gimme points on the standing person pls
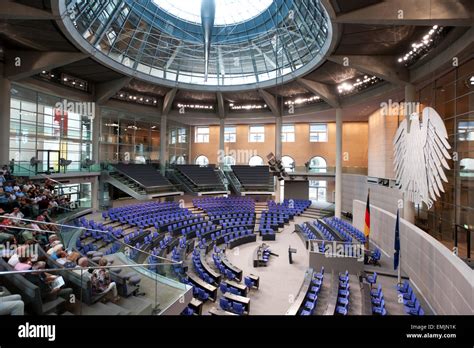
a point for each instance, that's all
(12, 166)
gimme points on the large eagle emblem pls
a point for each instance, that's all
(421, 154)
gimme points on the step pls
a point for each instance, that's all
(100, 309)
(122, 310)
(137, 305)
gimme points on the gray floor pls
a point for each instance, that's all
(279, 281)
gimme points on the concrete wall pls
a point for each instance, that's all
(382, 129)
(296, 190)
(354, 187)
(445, 281)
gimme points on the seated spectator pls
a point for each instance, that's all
(102, 283)
(83, 262)
(24, 264)
(11, 305)
(17, 215)
(43, 281)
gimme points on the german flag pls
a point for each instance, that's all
(367, 218)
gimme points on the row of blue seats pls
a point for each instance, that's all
(220, 265)
(324, 231)
(410, 302)
(311, 298)
(232, 306)
(199, 269)
(349, 228)
(343, 294)
(346, 236)
(378, 301)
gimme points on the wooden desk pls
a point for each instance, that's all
(196, 305)
(300, 298)
(210, 289)
(218, 311)
(241, 287)
(236, 298)
(214, 275)
(227, 264)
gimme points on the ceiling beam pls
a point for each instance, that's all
(106, 90)
(322, 90)
(265, 56)
(409, 12)
(23, 64)
(384, 67)
(173, 56)
(220, 105)
(14, 10)
(168, 100)
(271, 101)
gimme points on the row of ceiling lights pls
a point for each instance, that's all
(136, 98)
(423, 46)
(196, 106)
(248, 106)
(360, 84)
(299, 101)
(65, 79)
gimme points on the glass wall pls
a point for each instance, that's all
(178, 143)
(41, 130)
(125, 137)
(452, 95)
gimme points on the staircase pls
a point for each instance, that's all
(125, 184)
(314, 213)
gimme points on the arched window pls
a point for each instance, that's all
(318, 165)
(288, 163)
(181, 160)
(256, 161)
(229, 161)
(173, 160)
(202, 160)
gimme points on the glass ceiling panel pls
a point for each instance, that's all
(257, 41)
(227, 11)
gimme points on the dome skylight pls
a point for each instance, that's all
(228, 12)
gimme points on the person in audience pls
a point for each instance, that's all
(83, 263)
(24, 264)
(43, 280)
(11, 305)
(17, 215)
(102, 283)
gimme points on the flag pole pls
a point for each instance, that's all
(399, 268)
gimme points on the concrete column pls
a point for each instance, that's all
(338, 198)
(96, 134)
(163, 143)
(95, 194)
(408, 206)
(278, 143)
(278, 154)
(5, 86)
(221, 154)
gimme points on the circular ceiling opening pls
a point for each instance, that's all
(252, 44)
(227, 11)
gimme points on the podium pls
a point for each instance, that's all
(291, 251)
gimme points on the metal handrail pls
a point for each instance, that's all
(52, 270)
(82, 228)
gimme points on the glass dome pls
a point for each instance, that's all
(227, 11)
(254, 43)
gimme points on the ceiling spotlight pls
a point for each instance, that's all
(43, 72)
(435, 27)
(471, 80)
